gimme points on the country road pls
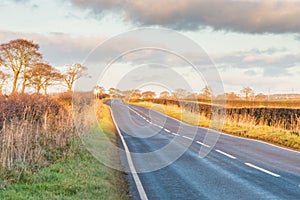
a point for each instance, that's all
(168, 153)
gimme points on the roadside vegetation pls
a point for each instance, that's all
(284, 131)
(41, 154)
(42, 157)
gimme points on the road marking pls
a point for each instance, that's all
(175, 134)
(259, 141)
(261, 169)
(203, 144)
(187, 137)
(225, 154)
(167, 130)
(136, 178)
(160, 126)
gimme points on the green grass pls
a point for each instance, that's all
(77, 177)
(265, 133)
(82, 177)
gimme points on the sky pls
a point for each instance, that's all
(250, 43)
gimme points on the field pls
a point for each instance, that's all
(279, 126)
(42, 156)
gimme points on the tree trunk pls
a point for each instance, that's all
(45, 90)
(70, 87)
(14, 90)
(38, 89)
(23, 86)
(24, 81)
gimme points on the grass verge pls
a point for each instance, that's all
(265, 133)
(80, 176)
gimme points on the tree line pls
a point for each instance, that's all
(22, 63)
(206, 94)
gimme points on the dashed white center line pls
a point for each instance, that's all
(225, 154)
(203, 144)
(167, 130)
(261, 169)
(187, 137)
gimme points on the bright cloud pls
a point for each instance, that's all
(267, 16)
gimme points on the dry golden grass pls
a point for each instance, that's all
(35, 132)
(275, 135)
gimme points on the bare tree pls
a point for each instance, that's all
(18, 55)
(3, 79)
(115, 93)
(206, 91)
(164, 95)
(136, 94)
(180, 93)
(99, 91)
(261, 97)
(148, 95)
(42, 75)
(73, 73)
(247, 92)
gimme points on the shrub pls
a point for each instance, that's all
(35, 132)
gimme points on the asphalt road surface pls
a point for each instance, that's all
(174, 160)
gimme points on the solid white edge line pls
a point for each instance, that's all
(175, 134)
(136, 178)
(225, 154)
(203, 144)
(261, 169)
(259, 141)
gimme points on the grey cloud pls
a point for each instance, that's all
(21, 1)
(250, 73)
(272, 65)
(269, 51)
(268, 16)
(60, 49)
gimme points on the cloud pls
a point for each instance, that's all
(58, 48)
(268, 16)
(270, 65)
(251, 73)
(21, 1)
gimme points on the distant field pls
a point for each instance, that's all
(275, 125)
(280, 103)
